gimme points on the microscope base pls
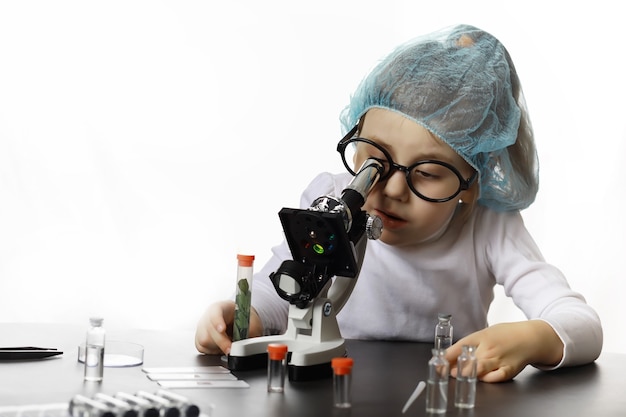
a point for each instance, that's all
(247, 363)
(310, 373)
(310, 350)
(295, 373)
(301, 365)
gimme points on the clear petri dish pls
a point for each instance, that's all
(117, 354)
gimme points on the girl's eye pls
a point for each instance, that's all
(432, 172)
(425, 174)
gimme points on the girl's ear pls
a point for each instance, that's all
(467, 201)
(469, 196)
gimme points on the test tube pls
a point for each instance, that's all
(144, 407)
(168, 409)
(342, 381)
(276, 367)
(188, 408)
(466, 365)
(243, 297)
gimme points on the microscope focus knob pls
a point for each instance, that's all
(373, 227)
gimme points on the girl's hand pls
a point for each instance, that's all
(504, 350)
(215, 328)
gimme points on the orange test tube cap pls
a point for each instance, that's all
(245, 260)
(342, 366)
(277, 351)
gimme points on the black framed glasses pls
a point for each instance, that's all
(431, 180)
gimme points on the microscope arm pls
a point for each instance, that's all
(342, 287)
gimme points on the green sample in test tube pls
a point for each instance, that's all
(243, 297)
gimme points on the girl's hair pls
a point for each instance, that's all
(461, 84)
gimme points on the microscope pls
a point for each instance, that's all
(327, 242)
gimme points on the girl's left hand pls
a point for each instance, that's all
(503, 350)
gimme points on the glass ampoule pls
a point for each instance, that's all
(466, 365)
(437, 383)
(443, 331)
(94, 350)
(342, 381)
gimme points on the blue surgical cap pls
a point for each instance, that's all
(460, 84)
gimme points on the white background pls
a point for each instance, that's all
(143, 144)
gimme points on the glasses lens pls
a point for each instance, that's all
(434, 180)
(356, 152)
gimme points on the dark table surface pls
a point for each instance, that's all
(384, 375)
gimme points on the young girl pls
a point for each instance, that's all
(447, 115)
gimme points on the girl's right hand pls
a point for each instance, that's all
(215, 327)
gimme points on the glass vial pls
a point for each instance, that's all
(465, 392)
(443, 331)
(342, 382)
(437, 384)
(94, 350)
(276, 367)
(243, 297)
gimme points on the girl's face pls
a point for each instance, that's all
(407, 219)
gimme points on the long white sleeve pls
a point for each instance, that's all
(539, 289)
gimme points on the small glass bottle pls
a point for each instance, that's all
(466, 365)
(443, 331)
(94, 350)
(342, 381)
(437, 384)
(276, 367)
(243, 297)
